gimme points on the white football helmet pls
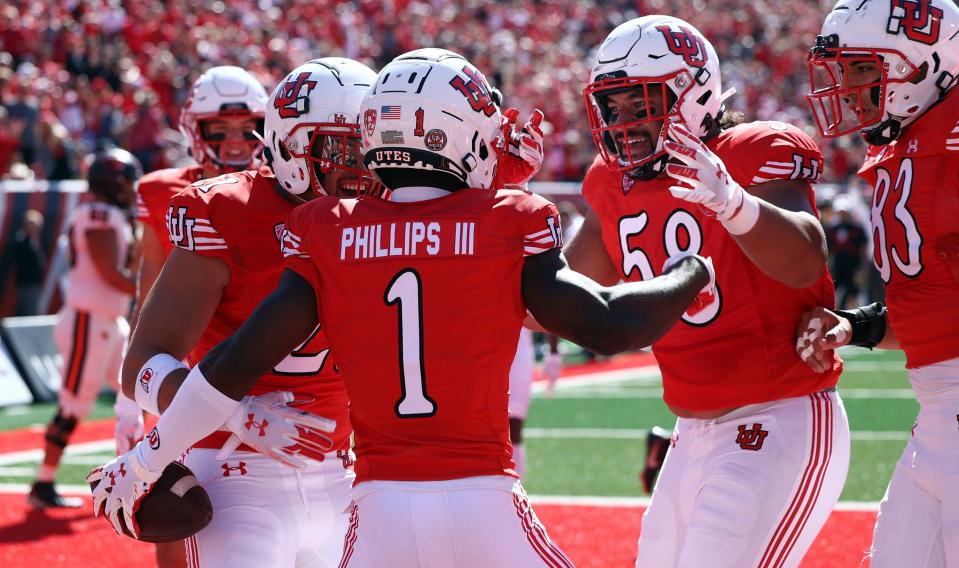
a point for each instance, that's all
(658, 56)
(431, 112)
(913, 43)
(312, 128)
(221, 92)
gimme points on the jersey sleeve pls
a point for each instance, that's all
(543, 230)
(294, 246)
(191, 226)
(768, 151)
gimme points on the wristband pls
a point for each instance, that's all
(197, 410)
(868, 324)
(149, 379)
(745, 218)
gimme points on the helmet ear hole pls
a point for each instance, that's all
(483, 151)
(284, 153)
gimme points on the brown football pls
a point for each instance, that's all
(176, 507)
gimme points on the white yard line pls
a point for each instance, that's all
(648, 373)
(72, 449)
(640, 434)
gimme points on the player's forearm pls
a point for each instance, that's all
(641, 313)
(788, 246)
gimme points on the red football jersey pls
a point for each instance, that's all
(423, 306)
(153, 198)
(915, 232)
(740, 349)
(239, 218)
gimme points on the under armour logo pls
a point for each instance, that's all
(686, 44)
(240, 468)
(919, 20)
(913, 146)
(251, 423)
(753, 438)
(118, 473)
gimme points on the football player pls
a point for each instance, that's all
(223, 112)
(91, 329)
(226, 233)
(762, 438)
(887, 69)
(423, 297)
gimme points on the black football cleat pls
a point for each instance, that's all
(657, 444)
(44, 496)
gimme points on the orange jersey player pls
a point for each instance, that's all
(425, 295)
(764, 438)
(226, 233)
(887, 69)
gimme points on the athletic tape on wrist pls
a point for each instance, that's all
(745, 219)
(197, 410)
(149, 379)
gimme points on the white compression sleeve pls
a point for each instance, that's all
(197, 410)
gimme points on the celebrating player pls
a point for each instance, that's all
(92, 328)
(423, 298)
(762, 439)
(226, 232)
(888, 69)
(225, 108)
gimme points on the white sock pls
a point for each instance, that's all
(520, 459)
(46, 473)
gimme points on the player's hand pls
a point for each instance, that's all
(269, 424)
(129, 424)
(709, 184)
(707, 295)
(524, 156)
(123, 482)
(552, 368)
(820, 331)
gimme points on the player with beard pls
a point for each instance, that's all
(423, 298)
(761, 446)
(887, 70)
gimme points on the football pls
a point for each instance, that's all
(176, 508)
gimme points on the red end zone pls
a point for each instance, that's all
(592, 536)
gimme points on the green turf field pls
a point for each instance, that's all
(590, 440)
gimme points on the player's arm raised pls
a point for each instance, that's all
(609, 320)
(768, 219)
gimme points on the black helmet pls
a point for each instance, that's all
(109, 171)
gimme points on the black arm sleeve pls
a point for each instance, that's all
(278, 325)
(607, 320)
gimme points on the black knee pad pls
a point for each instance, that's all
(60, 429)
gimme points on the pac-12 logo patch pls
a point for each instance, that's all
(369, 121)
(752, 438)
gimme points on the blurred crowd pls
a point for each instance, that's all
(76, 73)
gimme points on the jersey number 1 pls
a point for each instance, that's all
(406, 291)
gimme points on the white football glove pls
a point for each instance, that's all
(710, 184)
(128, 429)
(123, 483)
(707, 295)
(524, 156)
(552, 367)
(270, 425)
